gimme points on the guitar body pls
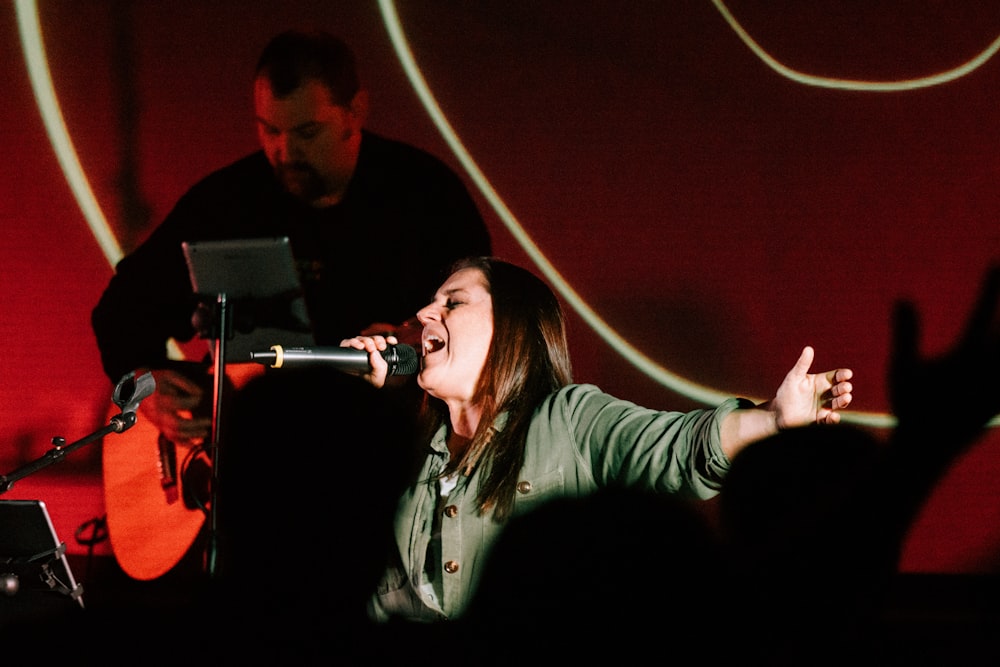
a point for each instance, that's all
(150, 525)
(156, 494)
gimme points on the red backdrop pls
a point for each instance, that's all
(713, 211)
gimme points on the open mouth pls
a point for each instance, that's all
(432, 343)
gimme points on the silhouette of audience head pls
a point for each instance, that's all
(609, 575)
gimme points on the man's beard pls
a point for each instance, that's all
(301, 180)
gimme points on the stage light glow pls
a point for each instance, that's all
(37, 63)
(888, 86)
(48, 105)
(668, 379)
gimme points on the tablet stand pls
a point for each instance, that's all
(253, 286)
(250, 316)
(35, 577)
(224, 324)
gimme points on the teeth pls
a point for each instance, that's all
(432, 343)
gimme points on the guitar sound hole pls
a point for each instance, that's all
(197, 482)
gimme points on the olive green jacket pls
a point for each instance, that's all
(580, 440)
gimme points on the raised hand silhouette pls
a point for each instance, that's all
(955, 394)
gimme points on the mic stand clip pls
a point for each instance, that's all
(127, 395)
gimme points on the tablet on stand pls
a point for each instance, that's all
(35, 577)
(254, 287)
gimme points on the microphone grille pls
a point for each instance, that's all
(402, 359)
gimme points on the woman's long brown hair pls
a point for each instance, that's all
(528, 359)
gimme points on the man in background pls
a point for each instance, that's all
(352, 203)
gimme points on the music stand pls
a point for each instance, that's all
(253, 285)
(35, 577)
(263, 295)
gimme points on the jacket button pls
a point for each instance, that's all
(451, 511)
(451, 567)
(524, 487)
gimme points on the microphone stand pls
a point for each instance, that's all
(128, 393)
(45, 562)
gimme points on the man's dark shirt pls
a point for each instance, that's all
(377, 256)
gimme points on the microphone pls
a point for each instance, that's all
(402, 359)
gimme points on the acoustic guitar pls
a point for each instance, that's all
(156, 493)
